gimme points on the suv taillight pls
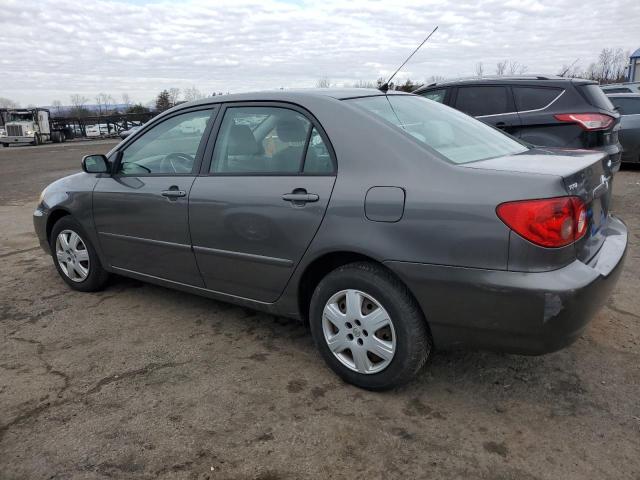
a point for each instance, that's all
(548, 222)
(587, 121)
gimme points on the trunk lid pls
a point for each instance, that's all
(583, 174)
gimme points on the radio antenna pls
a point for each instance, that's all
(385, 86)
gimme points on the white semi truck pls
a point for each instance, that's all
(29, 126)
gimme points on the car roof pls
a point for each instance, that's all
(292, 95)
(507, 80)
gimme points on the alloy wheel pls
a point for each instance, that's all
(359, 331)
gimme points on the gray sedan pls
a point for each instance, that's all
(628, 105)
(392, 224)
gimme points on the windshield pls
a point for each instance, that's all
(454, 135)
(20, 117)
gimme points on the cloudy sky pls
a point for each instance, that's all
(50, 49)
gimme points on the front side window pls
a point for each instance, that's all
(435, 95)
(265, 140)
(479, 101)
(454, 135)
(534, 98)
(168, 148)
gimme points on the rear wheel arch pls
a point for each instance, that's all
(325, 264)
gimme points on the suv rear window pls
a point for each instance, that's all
(595, 96)
(627, 105)
(617, 90)
(479, 101)
(454, 135)
(534, 98)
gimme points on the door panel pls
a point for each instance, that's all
(247, 239)
(141, 212)
(142, 230)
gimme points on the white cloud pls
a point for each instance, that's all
(53, 48)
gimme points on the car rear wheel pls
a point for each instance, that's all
(368, 327)
(75, 257)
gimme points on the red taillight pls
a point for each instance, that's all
(549, 222)
(587, 121)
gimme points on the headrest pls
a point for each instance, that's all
(291, 131)
(242, 141)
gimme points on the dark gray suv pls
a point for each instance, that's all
(541, 110)
(393, 224)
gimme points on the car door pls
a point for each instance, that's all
(629, 133)
(261, 198)
(492, 104)
(141, 210)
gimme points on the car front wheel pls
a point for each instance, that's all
(368, 327)
(75, 257)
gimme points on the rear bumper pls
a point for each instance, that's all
(516, 312)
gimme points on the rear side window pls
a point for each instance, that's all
(454, 135)
(534, 98)
(627, 106)
(479, 101)
(435, 95)
(595, 96)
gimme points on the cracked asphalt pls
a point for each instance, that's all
(139, 381)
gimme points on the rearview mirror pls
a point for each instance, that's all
(95, 164)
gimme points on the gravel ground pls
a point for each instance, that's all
(139, 381)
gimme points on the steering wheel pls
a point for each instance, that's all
(178, 162)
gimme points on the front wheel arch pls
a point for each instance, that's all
(54, 216)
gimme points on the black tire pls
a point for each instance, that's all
(97, 276)
(36, 139)
(5, 145)
(412, 337)
(56, 137)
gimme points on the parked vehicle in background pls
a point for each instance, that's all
(391, 223)
(29, 126)
(627, 87)
(126, 133)
(92, 131)
(628, 105)
(541, 110)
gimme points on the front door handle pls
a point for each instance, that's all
(173, 193)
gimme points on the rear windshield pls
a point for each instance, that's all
(595, 96)
(454, 135)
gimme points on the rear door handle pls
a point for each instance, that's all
(300, 197)
(174, 193)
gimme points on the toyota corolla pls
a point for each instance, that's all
(392, 224)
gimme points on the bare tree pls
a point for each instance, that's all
(479, 70)
(516, 68)
(57, 105)
(174, 95)
(501, 67)
(8, 103)
(126, 100)
(192, 93)
(365, 84)
(435, 79)
(78, 103)
(323, 82)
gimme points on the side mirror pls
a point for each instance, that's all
(95, 164)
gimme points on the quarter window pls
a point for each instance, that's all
(271, 140)
(534, 98)
(435, 95)
(317, 159)
(168, 148)
(478, 101)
